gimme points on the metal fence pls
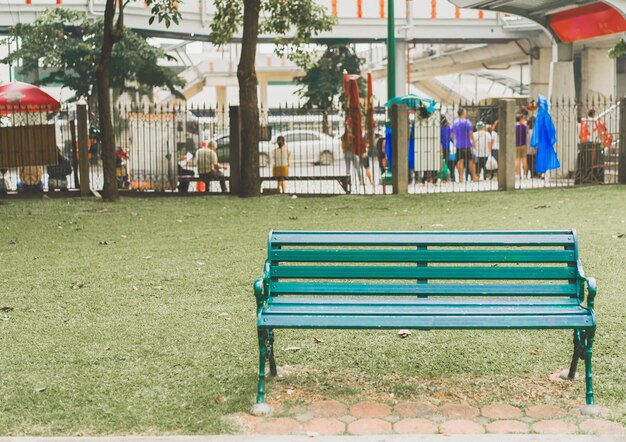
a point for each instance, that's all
(157, 149)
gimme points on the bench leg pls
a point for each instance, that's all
(589, 335)
(263, 340)
(575, 357)
(270, 353)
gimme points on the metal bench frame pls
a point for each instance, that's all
(335, 252)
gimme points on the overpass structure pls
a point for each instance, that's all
(357, 20)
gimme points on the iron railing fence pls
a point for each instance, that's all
(157, 149)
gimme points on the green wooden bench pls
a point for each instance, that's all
(425, 281)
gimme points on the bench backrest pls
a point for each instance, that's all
(518, 263)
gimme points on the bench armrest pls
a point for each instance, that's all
(591, 285)
(261, 289)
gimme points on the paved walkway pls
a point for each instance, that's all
(330, 417)
(388, 438)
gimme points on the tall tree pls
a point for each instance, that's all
(65, 42)
(323, 81)
(113, 32)
(293, 23)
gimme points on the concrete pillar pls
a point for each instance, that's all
(401, 67)
(263, 86)
(400, 149)
(563, 90)
(598, 79)
(540, 62)
(221, 96)
(83, 149)
(506, 156)
(562, 85)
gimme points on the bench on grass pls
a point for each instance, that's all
(344, 180)
(424, 281)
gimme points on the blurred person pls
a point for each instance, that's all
(482, 149)
(58, 173)
(208, 166)
(495, 146)
(531, 157)
(30, 179)
(281, 159)
(448, 150)
(463, 137)
(521, 145)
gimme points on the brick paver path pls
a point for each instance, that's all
(331, 417)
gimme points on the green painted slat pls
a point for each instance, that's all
(460, 256)
(527, 238)
(437, 301)
(325, 288)
(427, 322)
(423, 310)
(382, 272)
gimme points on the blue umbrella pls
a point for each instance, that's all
(544, 139)
(413, 101)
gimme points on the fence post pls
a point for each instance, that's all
(506, 156)
(400, 149)
(74, 151)
(622, 141)
(83, 149)
(235, 149)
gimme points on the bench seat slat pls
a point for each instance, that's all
(548, 238)
(456, 256)
(428, 322)
(326, 288)
(423, 310)
(395, 272)
(341, 301)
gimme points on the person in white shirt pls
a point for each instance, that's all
(495, 146)
(482, 148)
(208, 167)
(281, 158)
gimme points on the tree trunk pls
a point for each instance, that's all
(248, 101)
(109, 190)
(325, 124)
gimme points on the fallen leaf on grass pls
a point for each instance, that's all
(200, 263)
(317, 340)
(290, 391)
(77, 285)
(534, 351)
(13, 241)
(5, 318)
(224, 315)
(542, 206)
(7, 308)
(292, 349)
(293, 218)
(218, 399)
(40, 389)
(135, 288)
(104, 243)
(147, 257)
(404, 333)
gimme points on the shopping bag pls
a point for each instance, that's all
(492, 163)
(444, 172)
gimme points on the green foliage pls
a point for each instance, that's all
(292, 22)
(68, 43)
(323, 81)
(619, 50)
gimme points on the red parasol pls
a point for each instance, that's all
(369, 115)
(353, 114)
(23, 97)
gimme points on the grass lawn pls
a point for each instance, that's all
(138, 317)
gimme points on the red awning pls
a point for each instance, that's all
(584, 22)
(23, 97)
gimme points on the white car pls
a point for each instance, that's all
(306, 146)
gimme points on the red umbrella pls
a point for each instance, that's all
(23, 97)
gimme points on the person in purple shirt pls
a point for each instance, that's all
(463, 136)
(521, 144)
